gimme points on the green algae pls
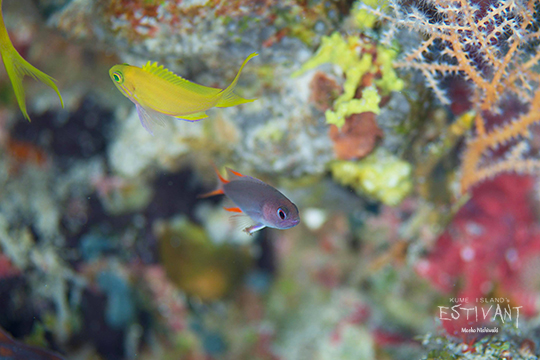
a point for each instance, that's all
(369, 102)
(364, 19)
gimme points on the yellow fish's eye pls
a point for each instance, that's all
(117, 77)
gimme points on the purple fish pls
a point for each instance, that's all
(261, 202)
(14, 350)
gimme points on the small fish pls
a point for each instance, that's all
(17, 68)
(159, 93)
(261, 202)
(15, 350)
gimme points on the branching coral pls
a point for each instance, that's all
(493, 45)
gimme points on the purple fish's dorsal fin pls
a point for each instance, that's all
(233, 175)
(5, 338)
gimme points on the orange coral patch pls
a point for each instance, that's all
(357, 137)
(324, 90)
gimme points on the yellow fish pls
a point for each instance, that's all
(159, 93)
(17, 68)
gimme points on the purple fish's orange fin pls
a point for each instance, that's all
(219, 190)
(211, 193)
(233, 209)
(235, 175)
(231, 171)
(221, 178)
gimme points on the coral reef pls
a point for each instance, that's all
(497, 257)
(380, 175)
(392, 125)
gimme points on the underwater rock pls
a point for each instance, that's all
(82, 134)
(507, 343)
(219, 227)
(334, 332)
(182, 186)
(19, 313)
(195, 28)
(93, 246)
(134, 152)
(120, 196)
(108, 341)
(120, 309)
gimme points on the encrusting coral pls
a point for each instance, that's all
(367, 68)
(493, 46)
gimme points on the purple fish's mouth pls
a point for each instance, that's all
(288, 224)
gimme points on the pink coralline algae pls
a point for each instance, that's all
(491, 247)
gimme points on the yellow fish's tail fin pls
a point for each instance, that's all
(228, 97)
(17, 68)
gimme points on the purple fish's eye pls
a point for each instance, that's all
(281, 214)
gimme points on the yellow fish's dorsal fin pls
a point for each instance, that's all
(166, 74)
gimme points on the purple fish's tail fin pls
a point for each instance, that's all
(219, 190)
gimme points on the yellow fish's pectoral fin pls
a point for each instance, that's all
(193, 117)
(228, 97)
(17, 68)
(149, 117)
